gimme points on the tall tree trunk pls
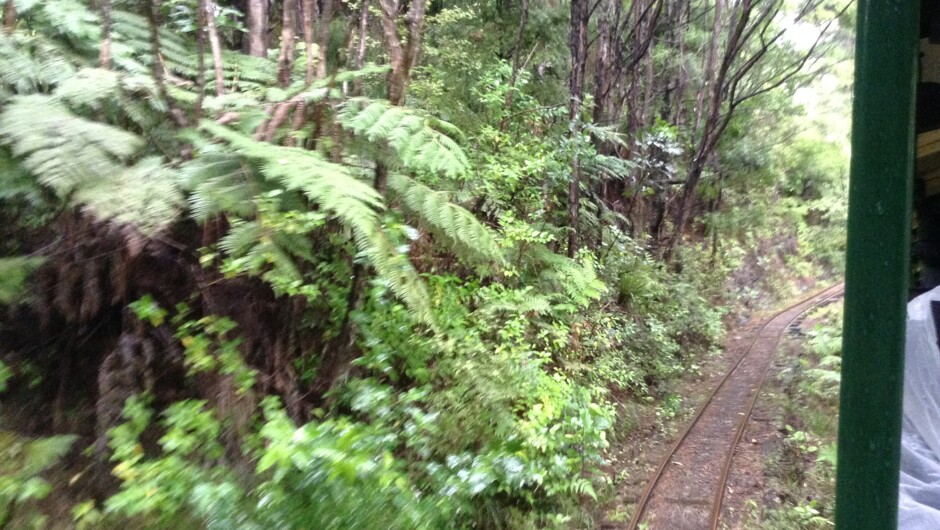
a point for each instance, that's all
(159, 69)
(682, 82)
(309, 10)
(285, 61)
(215, 45)
(577, 42)
(323, 38)
(258, 28)
(361, 43)
(516, 52)
(602, 66)
(9, 17)
(401, 58)
(201, 14)
(104, 56)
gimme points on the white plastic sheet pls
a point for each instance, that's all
(919, 502)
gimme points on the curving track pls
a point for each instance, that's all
(688, 487)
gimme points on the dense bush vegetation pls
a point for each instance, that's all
(389, 269)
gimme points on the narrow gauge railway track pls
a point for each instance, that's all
(687, 489)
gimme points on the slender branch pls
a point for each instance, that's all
(200, 58)
(215, 45)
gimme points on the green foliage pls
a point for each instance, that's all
(420, 142)
(825, 343)
(13, 274)
(459, 227)
(336, 191)
(485, 359)
(22, 461)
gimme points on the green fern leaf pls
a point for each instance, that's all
(416, 139)
(468, 235)
(352, 202)
(60, 148)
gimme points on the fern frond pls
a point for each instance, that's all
(471, 237)
(30, 63)
(393, 267)
(352, 202)
(218, 182)
(144, 194)
(87, 162)
(131, 32)
(69, 18)
(608, 166)
(89, 87)
(578, 281)
(60, 148)
(242, 235)
(524, 302)
(415, 138)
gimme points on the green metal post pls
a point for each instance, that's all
(877, 264)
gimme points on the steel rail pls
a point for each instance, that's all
(729, 460)
(647, 492)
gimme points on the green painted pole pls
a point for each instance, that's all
(877, 264)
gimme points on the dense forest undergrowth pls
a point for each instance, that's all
(387, 263)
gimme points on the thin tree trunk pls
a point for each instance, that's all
(516, 51)
(577, 42)
(258, 28)
(202, 12)
(285, 61)
(309, 6)
(104, 56)
(678, 118)
(323, 38)
(9, 17)
(216, 46)
(361, 44)
(709, 65)
(159, 70)
(602, 67)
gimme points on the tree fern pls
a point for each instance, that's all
(63, 150)
(88, 163)
(336, 191)
(144, 194)
(461, 228)
(577, 280)
(416, 139)
(218, 182)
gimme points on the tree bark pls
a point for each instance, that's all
(361, 44)
(309, 7)
(159, 69)
(401, 58)
(285, 61)
(323, 38)
(215, 45)
(258, 28)
(201, 13)
(516, 51)
(577, 42)
(104, 56)
(602, 65)
(9, 17)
